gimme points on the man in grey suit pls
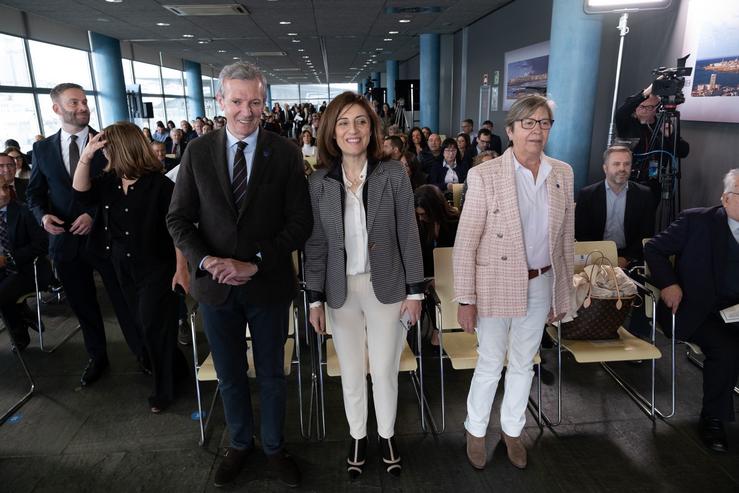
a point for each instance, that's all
(238, 211)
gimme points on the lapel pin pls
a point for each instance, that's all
(557, 185)
(266, 153)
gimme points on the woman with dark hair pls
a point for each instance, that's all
(437, 224)
(135, 195)
(308, 143)
(170, 125)
(364, 260)
(147, 134)
(413, 169)
(451, 168)
(416, 141)
(465, 148)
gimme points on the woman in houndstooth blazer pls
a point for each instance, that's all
(364, 260)
(513, 265)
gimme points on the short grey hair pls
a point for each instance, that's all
(616, 148)
(730, 180)
(241, 71)
(526, 106)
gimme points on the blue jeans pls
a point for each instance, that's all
(225, 327)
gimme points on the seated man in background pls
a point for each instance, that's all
(160, 152)
(495, 142)
(21, 241)
(393, 147)
(616, 209)
(703, 281)
(429, 156)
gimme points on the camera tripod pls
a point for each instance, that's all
(400, 120)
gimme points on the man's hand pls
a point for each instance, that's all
(3, 261)
(181, 277)
(82, 225)
(672, 295)
(413, 308)
(623, 262)
(52, 224)
(317, 319)
(467, 317)
(230, 271)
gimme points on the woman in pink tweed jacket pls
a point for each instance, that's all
(513, 265)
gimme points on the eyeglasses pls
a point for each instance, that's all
(529, 123)
(647, 107)
(733, 193)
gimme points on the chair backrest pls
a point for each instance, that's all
(457, 194)
(444, 286)
(311, 160)
(585, 248)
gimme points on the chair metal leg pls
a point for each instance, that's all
(19, 403)
(439, 325)
(38, 317)
(196, 368)
(543, 419)
(321, 401)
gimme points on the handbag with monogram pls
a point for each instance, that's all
(610, 295)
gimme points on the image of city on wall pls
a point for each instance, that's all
(527, 76)
(716, 77)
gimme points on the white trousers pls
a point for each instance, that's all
(518, 338)
(368, 337)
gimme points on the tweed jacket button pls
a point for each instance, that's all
(496, 211)
(499, 235)
(503, 258)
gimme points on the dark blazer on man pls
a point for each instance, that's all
(274, 218)
(392, 235)
(438, 173)
(495, 145)
(27, 241)
(169, 147)
(698, 238)
(591, 212)
(50, 191)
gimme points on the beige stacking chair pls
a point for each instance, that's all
(626, 348)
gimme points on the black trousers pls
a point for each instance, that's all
(79, 286)
(719, 342)
(12, 287)
(155, 307)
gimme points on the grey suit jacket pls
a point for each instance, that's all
(394, 247)
(274, 218)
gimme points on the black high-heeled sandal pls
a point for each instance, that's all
(355, 459)
(390, 456)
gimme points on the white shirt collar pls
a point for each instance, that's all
(544, 169)
(454, 165)
(362, 175)
(81, 136)
(251, 140)
(734, 226)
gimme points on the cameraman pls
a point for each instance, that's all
(635, 119)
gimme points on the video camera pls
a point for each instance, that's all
(668, 85)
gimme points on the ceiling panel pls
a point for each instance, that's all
(352, 30)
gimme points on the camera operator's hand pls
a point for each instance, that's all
(667, 129)
(647, 91)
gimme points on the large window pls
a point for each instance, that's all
(163, 87)
(53, 64)
(23, 95)
(14, 62)
(307, 93)
(148, 76)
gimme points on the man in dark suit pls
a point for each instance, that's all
(240, 208)
(175, 144)
(158, 150)
(616, 209)
(51, 199)
(495, 142)
(703, 281)
(21, 241)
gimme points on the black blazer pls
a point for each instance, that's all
(27, 241)
(590, 217)
(20, 185)
(168, 145)
(698, 239)
(495, 145)
(438, 173)
(274, 219)
(50, 192)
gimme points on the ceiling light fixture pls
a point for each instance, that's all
(300, 50)
(292, 34)
(188, 35)
(221, 51)
(285, 23)
(162, 24)
(114, 1)
(306, 56)
(388, 39)
(404, 21)
(296, 41)
(392, 32)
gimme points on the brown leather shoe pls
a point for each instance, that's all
(516, 450)
(476, 452)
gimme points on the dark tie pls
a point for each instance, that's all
(240, 177)
(74, 155)
(176, 151)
